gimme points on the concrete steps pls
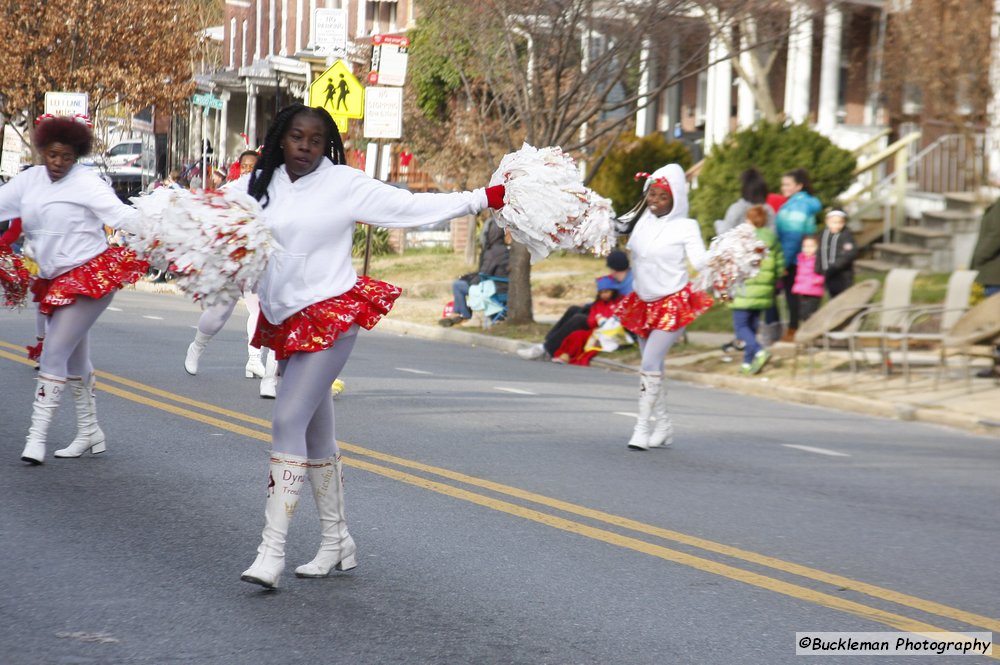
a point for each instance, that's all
(938, 241)
(902, 255)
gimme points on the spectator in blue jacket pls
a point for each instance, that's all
(795, 219)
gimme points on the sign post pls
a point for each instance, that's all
(383, 120)
(207, 101)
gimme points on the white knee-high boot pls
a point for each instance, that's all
(336, 549)
(255, 367)
(195, 349)
(663, 430)
(269, 384)
(89, 435)
(47, 395)
(287, 475)
(649, 390)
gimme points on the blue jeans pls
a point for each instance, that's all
(745, 324)
(460, 293)
(991, 289)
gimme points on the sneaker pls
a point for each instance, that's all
(733, 345)
(533, 352)
(745, 369)
(759, 360)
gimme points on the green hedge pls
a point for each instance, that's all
(615, 178)
(773, 150)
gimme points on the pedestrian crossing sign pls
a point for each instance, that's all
(338, 92)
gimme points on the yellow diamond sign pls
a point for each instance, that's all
(338, 92)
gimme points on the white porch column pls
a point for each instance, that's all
(746, 106)
(250, 122)
(362, 18)
(798, 75)
(258, 35)
(829, 78)
(644, 116)
(993, 130)
(719, 94)
(223, 155)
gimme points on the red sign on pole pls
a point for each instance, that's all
(389, 60)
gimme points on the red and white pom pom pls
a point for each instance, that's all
(14, 278)
(216, 240)
(547, 207)
(733, 258)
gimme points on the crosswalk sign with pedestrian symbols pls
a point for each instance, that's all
(338, 92)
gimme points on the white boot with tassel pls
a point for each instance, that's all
(48, 392)
(286, 477)
(89, 435)
(337, 549)
(649, 390)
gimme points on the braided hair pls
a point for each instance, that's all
(272, 156)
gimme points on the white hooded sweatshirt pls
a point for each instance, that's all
(660, 245)
(63, 219)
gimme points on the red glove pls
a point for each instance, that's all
(494, 196)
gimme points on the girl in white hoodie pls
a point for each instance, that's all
(664, 240)
(64, 208)
(312, 303)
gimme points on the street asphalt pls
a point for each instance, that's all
(499, 516)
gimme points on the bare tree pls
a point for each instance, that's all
(129, 52)
(494, 74)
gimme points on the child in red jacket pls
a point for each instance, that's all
(574, 349)
(808, 285)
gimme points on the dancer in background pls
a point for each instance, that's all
(214, 318)
(663, 240)
(64, 208)
(312, 304)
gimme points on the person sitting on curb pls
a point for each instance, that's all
(494, 261)
(581, 346)
(575, 316)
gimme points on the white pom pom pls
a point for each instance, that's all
(733, 257)
(216, 240)
(547, 207)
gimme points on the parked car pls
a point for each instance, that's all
(122, 158)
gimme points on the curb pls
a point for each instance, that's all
(745, 386)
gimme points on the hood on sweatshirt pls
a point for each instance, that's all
(675, 177)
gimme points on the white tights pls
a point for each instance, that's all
(655, 348)
(214, 318)
(303, 422)
(67, 345)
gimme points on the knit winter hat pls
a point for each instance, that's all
(618, 260)
(608, 282)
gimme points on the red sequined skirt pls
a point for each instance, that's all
(106, 272)
(668, 313)
(318, 326)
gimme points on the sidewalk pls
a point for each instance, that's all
(867, 392)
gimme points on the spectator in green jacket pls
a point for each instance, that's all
(757, 294)
(986, 259)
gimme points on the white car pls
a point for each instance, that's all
(123, 158)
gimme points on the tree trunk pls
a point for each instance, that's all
(519, 294)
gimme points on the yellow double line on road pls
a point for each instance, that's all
(130, 390)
